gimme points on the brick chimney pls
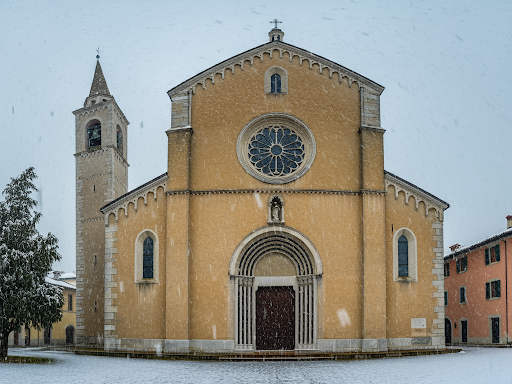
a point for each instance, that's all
(454, 247)
(509, 221)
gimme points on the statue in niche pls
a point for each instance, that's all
(276, 209)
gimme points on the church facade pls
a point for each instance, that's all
(275, 226)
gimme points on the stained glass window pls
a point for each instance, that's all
(276, 151)
(275, 83)
(94, 135)
(147, 259)
(403, 256)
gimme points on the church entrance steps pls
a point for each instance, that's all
(262, 355)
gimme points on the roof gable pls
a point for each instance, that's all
(249, 56)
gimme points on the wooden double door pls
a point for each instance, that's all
(275, 318)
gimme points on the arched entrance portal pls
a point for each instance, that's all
(275, 272)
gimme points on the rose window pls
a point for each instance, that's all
(276, 148)
(276, 151)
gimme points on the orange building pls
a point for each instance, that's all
(476, 291)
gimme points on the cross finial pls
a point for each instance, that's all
(98, 55)
(275, 21)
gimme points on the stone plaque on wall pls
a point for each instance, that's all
(418, 322)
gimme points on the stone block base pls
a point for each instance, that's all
(228, 346)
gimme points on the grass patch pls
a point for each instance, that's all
(27, 360)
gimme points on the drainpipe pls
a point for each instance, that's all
(506, 289)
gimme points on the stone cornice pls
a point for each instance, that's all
(179, 129)
(133, 196)
(272, 191)
(419, 195)
(269, 48)
(100, 149)
(373, 129)
(91, 109)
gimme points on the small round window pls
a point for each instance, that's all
(276, 148)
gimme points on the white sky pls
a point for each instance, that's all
(445, 66)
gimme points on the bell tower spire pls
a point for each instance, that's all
(101, 133)
(99, 84)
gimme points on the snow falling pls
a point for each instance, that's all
(472, 365)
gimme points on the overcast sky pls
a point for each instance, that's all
(445, 66)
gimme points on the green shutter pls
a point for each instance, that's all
(487, 291)
(497, 248)
(498, 288)
(457, 264)
(486, 256)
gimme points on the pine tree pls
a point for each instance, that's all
(26, 258)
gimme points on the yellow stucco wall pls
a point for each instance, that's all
(143, 305)
(220, 111)
(408, 300)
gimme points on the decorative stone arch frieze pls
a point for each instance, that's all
(297, 248)
(282, 48)
(132, 198)
(284, 79)
(139, 241)
(430, 201)
(412, 255)
(276, 120)
(275, 207)
(85, 112)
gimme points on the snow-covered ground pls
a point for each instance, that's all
(472, 365)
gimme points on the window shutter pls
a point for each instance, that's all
(497, 248)
(457, 264)
(487, 291)
(486, 256)
(498, 288)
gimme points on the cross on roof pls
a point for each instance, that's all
(275, 21)
(98, 55)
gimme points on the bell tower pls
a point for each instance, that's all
(101, 132)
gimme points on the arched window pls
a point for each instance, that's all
(405, 264)
(275, 83)
(403, 256)
(147, 259)
(94, 134)
(119, 139)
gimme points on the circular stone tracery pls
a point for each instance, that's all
(276, 151)
(276, 148)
